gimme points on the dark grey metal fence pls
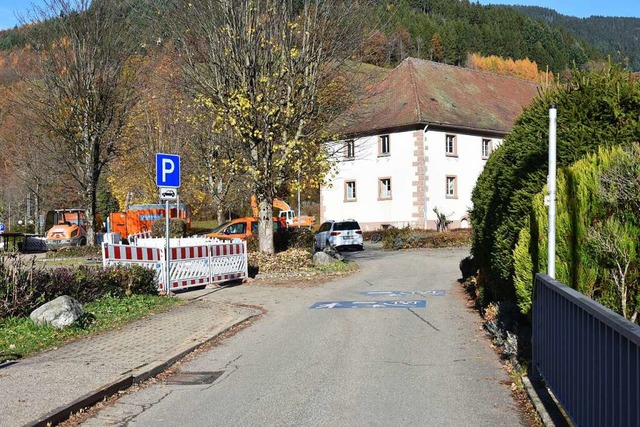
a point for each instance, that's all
(588, 356)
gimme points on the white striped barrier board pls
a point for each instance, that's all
(177, 242)
(133, 239)
(190, 265)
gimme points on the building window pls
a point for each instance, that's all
(384, 188)
(350, 191)
(384, 149)
(486, 148)
(452, 187)
(350, 149)
(451, 145)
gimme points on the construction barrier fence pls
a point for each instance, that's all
(212, 262)
(133, 238)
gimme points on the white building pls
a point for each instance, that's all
(418, 142)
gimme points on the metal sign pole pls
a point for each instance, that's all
(167, 258)
(551, 186)
(168, 181)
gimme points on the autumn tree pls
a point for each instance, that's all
(437, 51)
(213, 155)
(156, 124)
(520, 68)
(85, 92)
(259, 67)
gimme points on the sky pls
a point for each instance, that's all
(579, 8)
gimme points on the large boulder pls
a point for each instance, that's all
(59, 313)
(327, 256)
(323, 258)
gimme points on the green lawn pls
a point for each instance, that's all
(21, 336)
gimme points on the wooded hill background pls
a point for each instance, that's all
(447, 30)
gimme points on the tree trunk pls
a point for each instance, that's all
(220, 213)
(265, 224)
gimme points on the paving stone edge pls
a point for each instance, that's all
(136, 376)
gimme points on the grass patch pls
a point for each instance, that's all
(75, 252)
(20, 336)
(204, 224)
(337, 267)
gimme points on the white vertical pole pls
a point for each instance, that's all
(298, 199)
(167, 258)
(551, 186)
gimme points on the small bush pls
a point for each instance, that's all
(292, 238)
(253, 244)
(177, 227)
(301, 238)
(408, 238)
(24, 286)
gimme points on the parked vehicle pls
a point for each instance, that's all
(286, 213)
(139, 218)
(66, 227)
(339, 235)
(242, 228)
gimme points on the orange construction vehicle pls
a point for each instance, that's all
(243, 228)
(286, 214)
(66, 227)
(139, 218)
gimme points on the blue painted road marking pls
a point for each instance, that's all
(391, 294)
(370, 304)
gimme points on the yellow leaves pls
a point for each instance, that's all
(294, 52)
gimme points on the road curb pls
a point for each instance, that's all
(546, 407)
(133, 377)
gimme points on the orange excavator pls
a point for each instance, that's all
(286, 214)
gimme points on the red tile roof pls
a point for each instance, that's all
(420, 92)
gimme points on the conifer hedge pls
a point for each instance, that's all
(595, 108)
(597, 232)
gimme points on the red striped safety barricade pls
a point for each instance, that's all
(133, 238)
(190, 266)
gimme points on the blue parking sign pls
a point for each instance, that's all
(1, 227)
(167, 170)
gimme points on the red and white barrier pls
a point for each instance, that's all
(133, 238)
(213, 262)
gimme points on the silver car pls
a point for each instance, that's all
(339, 235)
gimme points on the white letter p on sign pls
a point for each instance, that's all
(168, 167)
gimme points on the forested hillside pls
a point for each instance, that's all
(448, 30)
(614, 36)
(440, 30)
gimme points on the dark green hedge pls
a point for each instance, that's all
(595, 108)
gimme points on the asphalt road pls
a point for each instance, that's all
(386, 366)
